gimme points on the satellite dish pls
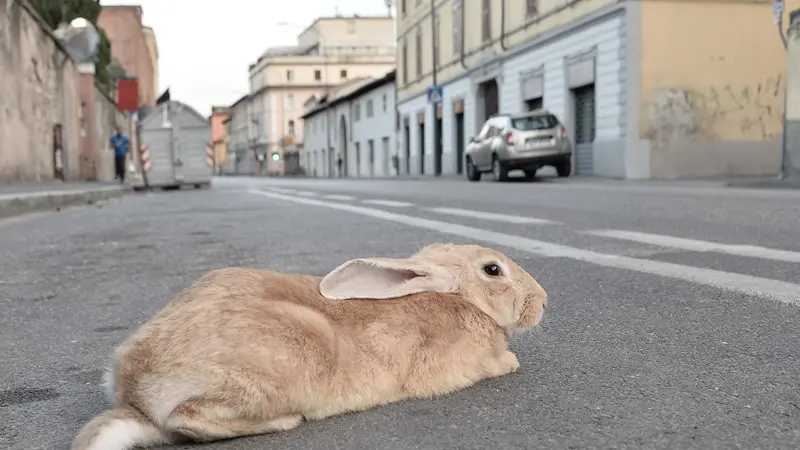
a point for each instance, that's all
(80, 38)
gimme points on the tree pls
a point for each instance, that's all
(56, 12)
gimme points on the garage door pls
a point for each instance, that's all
(584, 129)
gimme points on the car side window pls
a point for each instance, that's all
(496, 126)
(484, 134)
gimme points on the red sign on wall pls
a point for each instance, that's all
(128, 95)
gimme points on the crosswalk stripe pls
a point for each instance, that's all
(695, 245)
(781, 291)
(489, 216)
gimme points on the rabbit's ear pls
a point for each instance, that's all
(383, 278)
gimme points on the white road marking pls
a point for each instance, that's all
(340, 197)
(307, 194)
(283, 190)
(695, 245)
(391, 203)
(734, 282)
(489, 216)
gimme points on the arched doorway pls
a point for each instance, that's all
(488, 100)
(343, 144)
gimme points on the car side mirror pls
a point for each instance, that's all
(472, 139)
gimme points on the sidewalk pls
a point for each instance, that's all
(16, 199)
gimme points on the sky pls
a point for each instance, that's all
(206, 47)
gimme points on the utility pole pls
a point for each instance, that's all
(434, 96)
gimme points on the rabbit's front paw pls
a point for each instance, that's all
(509, 362)
(504, 364)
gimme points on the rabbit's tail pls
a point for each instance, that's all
(120, 428)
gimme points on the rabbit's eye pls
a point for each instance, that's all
(493, 270)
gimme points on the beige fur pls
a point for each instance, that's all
(247, 351)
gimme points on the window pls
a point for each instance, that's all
(404, 63)
(289, 101)
(534, 123)
(357, 112)
(403, 7)
(370, 111)
(291, 128)
(343, 74)
(486, 21)
(419, 52)
(317, 75)
(289, 75)
(437, 52)
(385, 103)
(457, 32)
(531, 9)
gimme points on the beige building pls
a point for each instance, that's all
(283, 80)
(646, 88)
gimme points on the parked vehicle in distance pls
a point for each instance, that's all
(525, 141)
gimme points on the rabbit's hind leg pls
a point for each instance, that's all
(203, 421)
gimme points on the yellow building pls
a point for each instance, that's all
(646, 88)
(332, 50)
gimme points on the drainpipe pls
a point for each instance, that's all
(434, 81)
(503, 25)
(463, 24)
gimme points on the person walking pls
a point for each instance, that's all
(120, 143)
(339, 164)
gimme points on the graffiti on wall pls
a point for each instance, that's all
(750, 112)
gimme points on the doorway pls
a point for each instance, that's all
(459, 120)
(585, 121)
(407, 148)
(437, 142)
(421, 143)
(489, 103)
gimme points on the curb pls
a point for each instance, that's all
(28, 202)
(775, 183)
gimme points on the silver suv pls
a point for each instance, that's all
(524, 141)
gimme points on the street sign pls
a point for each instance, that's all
(435, 94)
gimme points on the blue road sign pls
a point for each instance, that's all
(435, 94)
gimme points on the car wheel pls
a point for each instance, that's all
(499, 172)
(563, 169)
(472, 172)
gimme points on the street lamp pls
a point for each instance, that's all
(81, 42)
(326, 80)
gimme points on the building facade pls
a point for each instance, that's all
(131, 45)
(633, 106)
(331, 51)
(240, 141)
(152, 50)
(357, 123)
(219, 133)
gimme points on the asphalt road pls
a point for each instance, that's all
(649, 341)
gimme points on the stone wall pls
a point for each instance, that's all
(40, 87)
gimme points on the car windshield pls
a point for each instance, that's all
(533, 123)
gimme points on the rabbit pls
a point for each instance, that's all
(245, 352)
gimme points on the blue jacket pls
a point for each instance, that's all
(120, 143)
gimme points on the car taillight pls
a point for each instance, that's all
(563, 132)
(509, 138)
